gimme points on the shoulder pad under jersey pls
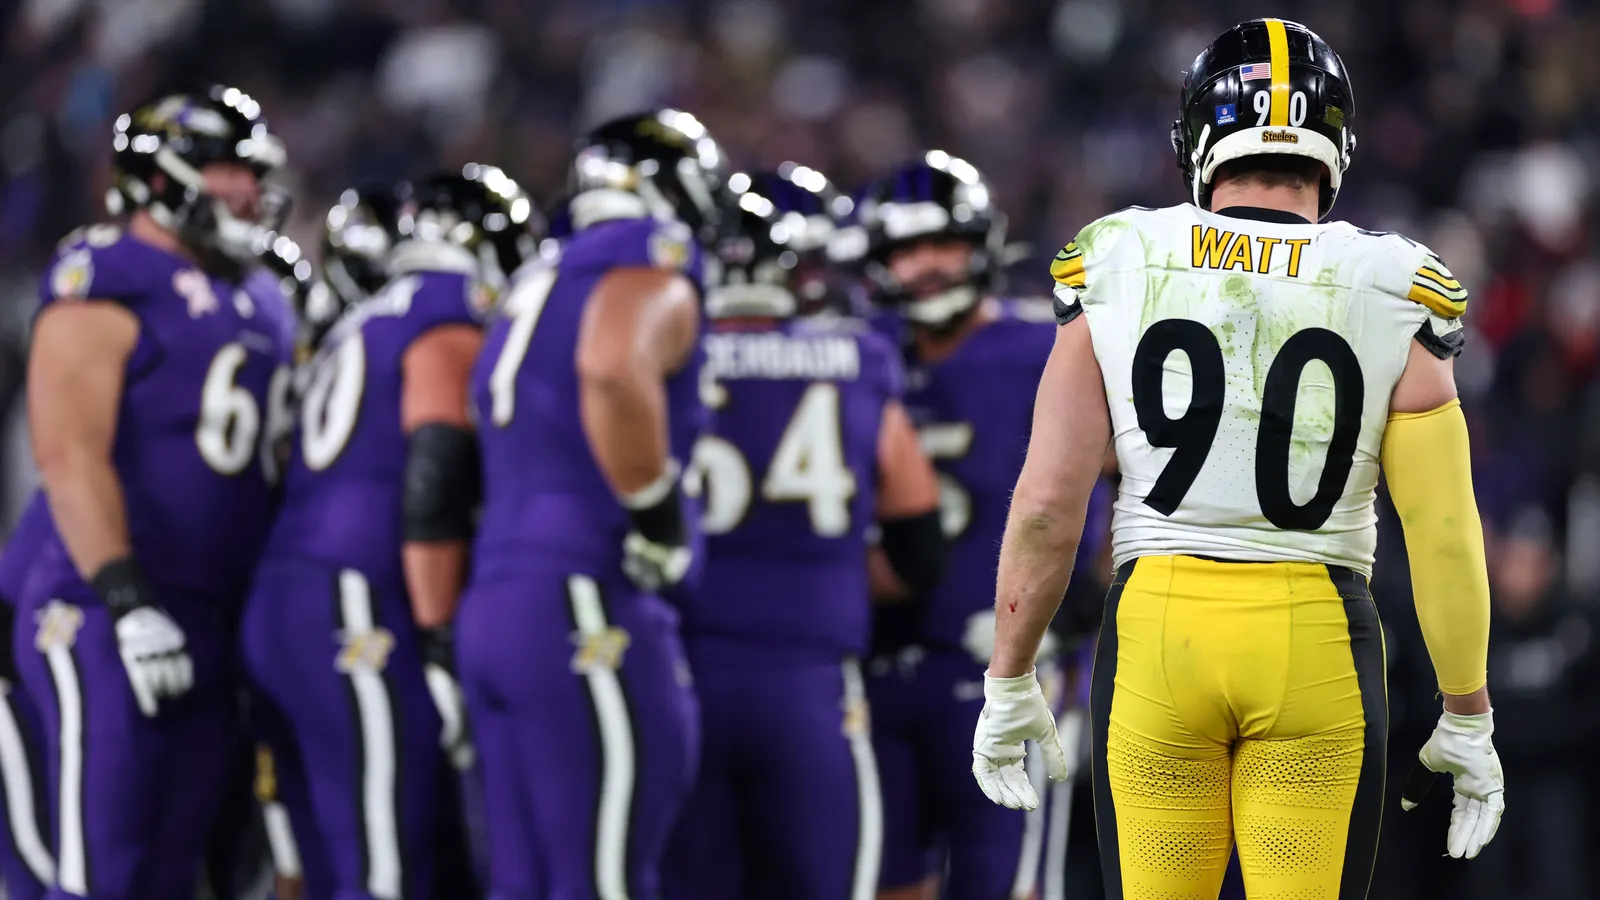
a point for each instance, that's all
(1415, 273)
(100, 263)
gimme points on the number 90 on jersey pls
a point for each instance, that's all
(1191, 434)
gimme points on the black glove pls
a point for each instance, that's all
(439, 669)
(656, 553)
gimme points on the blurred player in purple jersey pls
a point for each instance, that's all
(346, 631)
(935, 247)
(810, 446)
(236, 857)
(587, 399)
(26, 866)
(148, 388)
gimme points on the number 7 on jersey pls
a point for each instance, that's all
(524, 306)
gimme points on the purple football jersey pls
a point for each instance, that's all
(973, 412)
(790, 473)
(194, 406)
(544, 493)
(347, 459)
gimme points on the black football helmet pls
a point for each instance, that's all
(358, 233)
(481, 210)
(161, 148)
(315, 306)
(809, 209)
(778, 264)
(283, 258)
(662, 164)
(937, 196)
(1265, 86)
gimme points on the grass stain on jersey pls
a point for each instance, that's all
(1104, 231)
(1317, 305)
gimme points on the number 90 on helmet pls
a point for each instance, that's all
(1266, 86)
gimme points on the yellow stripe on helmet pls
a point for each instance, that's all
(1278, 44)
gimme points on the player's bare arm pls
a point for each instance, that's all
(1071, 430)
(75, 377)
(910, 558)
(638, 326)
(441, 469)
(442, 488)
(907, 484)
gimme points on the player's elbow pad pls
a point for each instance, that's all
(1429, 469)
(915, 547)
(442, 484)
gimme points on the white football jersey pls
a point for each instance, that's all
(1248, 365)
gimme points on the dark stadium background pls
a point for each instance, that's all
(1478, 123)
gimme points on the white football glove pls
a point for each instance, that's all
(155, 654)
(1461, 747)
(978, 639)
(454, 737)
(1014, 711)
(652, 565)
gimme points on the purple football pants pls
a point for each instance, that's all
(587, 730)
(337, 667)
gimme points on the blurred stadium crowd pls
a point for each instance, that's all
(1477, 122)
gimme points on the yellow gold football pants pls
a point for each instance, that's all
(1238, 701)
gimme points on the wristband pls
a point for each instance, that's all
(1012, 687)
(439, 646)
(657, 510)
(656, 491)
(1482, 723)
(121, 584)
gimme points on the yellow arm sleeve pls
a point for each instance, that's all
(1429, 469)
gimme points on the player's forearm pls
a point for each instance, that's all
(625, 419)
(1071, 430)
(1036, 557)
(1429, 470)
(86, 502)
(435, 572)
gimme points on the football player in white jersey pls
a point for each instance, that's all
(1254, 370)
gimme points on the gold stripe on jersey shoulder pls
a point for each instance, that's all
(1454, 293)
(1278, 46)
(1436, 302)
(1440, 275)
(1433, 286)
(1067, 267)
